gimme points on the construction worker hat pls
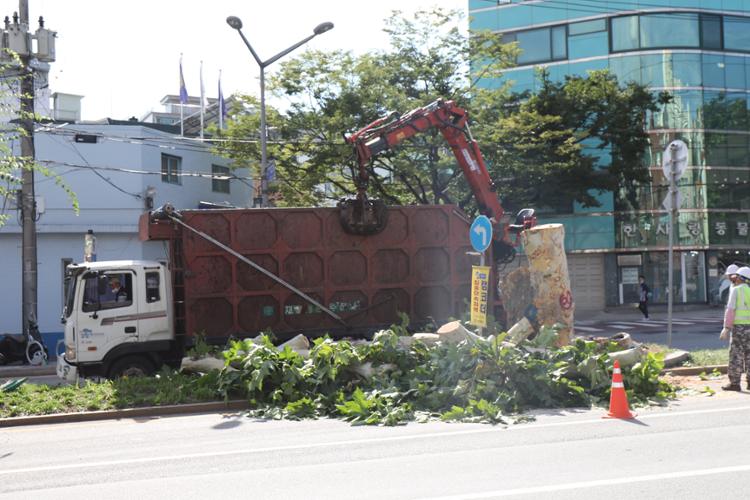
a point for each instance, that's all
(731, 269)
(744, 272)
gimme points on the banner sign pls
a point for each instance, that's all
(480, 281)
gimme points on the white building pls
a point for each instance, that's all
(116, 170)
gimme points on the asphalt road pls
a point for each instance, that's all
(696, 448)
(690, 331)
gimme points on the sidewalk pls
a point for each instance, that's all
(659, 311)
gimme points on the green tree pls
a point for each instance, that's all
(547, 146)
(330, 93)
(537, 146)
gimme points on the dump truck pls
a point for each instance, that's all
(233, 273)
(239, 272)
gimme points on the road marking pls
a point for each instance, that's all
(664, 322)
(588, 328)
(595, 483)
(620, 326)
(272, 449)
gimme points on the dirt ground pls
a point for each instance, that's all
(701, 386)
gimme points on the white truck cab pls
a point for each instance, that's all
(118, 319)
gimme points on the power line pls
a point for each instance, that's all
(204, 175)
(105, 179)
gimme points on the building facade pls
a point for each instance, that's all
(699, 52)
(117, 170)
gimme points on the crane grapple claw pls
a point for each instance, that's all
(362, 216)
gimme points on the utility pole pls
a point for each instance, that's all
(19, 41)
(28, 200)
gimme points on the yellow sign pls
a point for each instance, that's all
(480, 281)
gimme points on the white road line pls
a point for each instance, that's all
(248, 451)
(588, 328)
(595, 483)
(640, 324)
(665, 321)
(620, 326)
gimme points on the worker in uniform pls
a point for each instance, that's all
(737, 326)
(731, 274)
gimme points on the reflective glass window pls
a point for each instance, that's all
(686, 70)
(710, 31)
(626, 68)
(736, 33)
(713, 71)
(716, 149)
(559, 43)
(625, 33)
(535, 46)
(587, 27)
(734, 68)
(669, 30)
(654, 70)
(737, 150)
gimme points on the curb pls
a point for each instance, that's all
(694, 370)
(26, 371)
(146, 411)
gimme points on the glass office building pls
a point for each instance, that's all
(699, 52)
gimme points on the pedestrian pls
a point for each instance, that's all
(643, 297)
(737, 330)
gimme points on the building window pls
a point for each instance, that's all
(625, 33)
(669, 30)
(540, 45)
(586, 27)
(171, 167)
(737, 33)
(678, 29)
(219, 185)
(710, 31)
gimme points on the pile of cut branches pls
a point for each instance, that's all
(387, 381)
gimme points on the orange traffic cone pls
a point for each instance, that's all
(618, 400)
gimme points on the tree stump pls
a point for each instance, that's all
(548, 271)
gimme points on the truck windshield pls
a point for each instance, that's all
(70, 294)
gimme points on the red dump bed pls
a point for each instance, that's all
(417, 265)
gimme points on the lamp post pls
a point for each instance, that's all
(236, 23)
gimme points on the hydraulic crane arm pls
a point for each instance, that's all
(452, 122)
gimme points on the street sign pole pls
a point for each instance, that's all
(480, 235)
(672, 214)
(673, 166)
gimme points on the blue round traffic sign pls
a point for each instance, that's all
(480, 233)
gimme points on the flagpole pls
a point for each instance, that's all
(203, 93)
(183, 100)
(221, 105)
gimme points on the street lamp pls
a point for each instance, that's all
(236, 23)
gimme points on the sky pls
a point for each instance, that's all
(123, 57)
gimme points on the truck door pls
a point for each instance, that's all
(153, 321)
(108, 315)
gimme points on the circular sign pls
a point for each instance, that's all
(677, 154)
(480, 233)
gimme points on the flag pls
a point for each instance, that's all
(183, 89)
(203, 99)
(222, 105)
(270, 171)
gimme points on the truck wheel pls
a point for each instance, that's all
(131, 366)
